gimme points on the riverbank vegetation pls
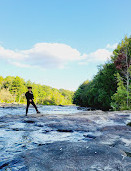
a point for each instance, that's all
(12, 89)
(111, 86)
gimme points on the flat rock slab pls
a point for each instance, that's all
(87, 141)
(76, 156)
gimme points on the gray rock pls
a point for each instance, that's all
(90, 141)
(78, 156)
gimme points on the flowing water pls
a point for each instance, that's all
(17, 136)
(43, 109)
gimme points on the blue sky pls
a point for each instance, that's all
(60, 42)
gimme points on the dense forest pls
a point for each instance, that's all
(12, 89)
(110, 88)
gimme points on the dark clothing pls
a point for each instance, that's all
(28, 104)
(30, 96)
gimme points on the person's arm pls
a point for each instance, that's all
(27, 96)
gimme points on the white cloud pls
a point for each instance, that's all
(44, 55)
(99, 55)
(20, 65)
(53, 55)
(9, 54)
(109, 46)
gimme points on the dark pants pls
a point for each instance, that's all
(28, 104)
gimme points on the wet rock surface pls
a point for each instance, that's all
(85, 141)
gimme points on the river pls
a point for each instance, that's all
(44, 109)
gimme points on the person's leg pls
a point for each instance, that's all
(28, 104)
(34, 106)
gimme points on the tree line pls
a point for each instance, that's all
(12, 89)
(111, 86)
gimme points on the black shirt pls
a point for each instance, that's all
(29, 95)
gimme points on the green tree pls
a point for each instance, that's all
(106, 90)
(1, 81)
(18, 88)
(68, 95)
(7, 83)
(122, 61)
(43, 94)
(6, 96)
(97, 93)
(119, 98)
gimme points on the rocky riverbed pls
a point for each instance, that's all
(84, 141)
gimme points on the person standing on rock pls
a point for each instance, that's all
(29, 96)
